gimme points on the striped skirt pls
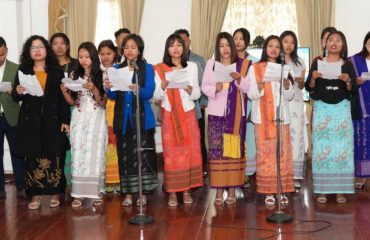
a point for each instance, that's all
(332, 154)
(362, 147)
(182, 163)
(224, 172)
(88, 146)
(266, 162)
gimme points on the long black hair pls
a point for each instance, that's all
(323, 32)
(264, 56)
(96, 74)
(364, 51)
(166, 56)
(27, 63)
(246, 36)
(344, 51)
(109, 44)
(231, 43)
(294, 55)
(65, 39)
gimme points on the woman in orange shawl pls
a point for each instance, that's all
(180, 130)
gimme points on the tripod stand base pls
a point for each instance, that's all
(141, 219)
(279, 218)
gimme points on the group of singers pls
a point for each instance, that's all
(84, 142)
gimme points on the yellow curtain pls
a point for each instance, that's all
(131, 14)
(207, 17)
(58, 14)
(81, 22)
(312, 17)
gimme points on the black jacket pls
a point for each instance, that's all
(38, 133)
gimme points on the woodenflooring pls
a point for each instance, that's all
(202, 220)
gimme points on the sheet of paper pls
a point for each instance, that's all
(5, 86)
(177, 78)
(365, 76)
(31, 84)
(273, 72)
(329, 70)
(222, 72)
(120, 78)
(74, 85)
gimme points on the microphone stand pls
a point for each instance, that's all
(279, 216)
(141, 218)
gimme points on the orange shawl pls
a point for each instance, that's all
(177, 111)
(267, 110)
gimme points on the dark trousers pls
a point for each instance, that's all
(202, 130)
(17, 163)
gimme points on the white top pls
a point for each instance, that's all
(297, 71)
(187, 100)
(368, 65)
(254, 94)
(2, 69)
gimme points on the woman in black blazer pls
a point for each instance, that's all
(43, 122)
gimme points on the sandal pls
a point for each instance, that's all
(54, 203)
(219, 201)
(98, 202)
(77, 202)
(247, 183)
(230, 201)
(187, 197)
(284, 200)
(359, 185)
(341, 199)
(270, 200)
(322, 199)
(35, 203)
(127, 202)
(143, 200)
(172, 200)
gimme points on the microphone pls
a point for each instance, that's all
(282, 57)
(134, 65)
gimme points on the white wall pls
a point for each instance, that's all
(160, 19)
(19, 19)
(353, 19)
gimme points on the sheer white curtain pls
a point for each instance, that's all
(108, 20)
(262, 17)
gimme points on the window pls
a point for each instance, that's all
(107, 21)
(262, 17)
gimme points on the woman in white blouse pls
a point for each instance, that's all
(177, 88)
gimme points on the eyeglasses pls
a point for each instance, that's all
(36, 48)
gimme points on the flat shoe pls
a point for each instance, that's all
(219, 201)
(359, 185)
(270, 200)
(98, 202)
(172, 200)
(187, 198)
(284, 200)
(230, 201)
(76, 203)
(54, 203)
(35, 204)
(322, 200)
(143, 201)
(127, 202)
(341, 200)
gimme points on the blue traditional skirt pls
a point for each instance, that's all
(332, 154)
